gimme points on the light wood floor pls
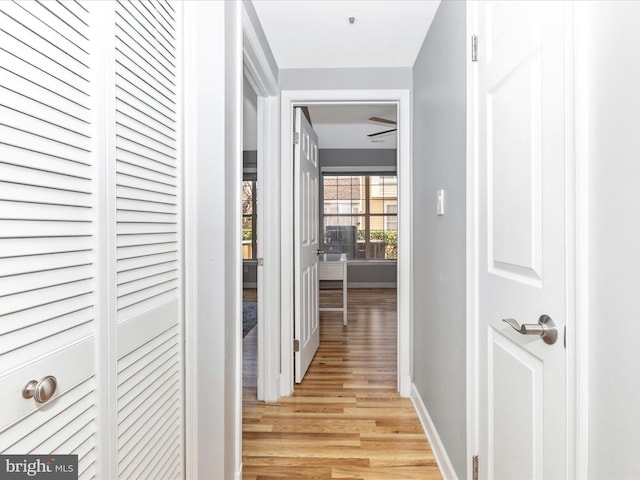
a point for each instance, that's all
(346, 419)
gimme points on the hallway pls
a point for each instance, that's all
(346, 419)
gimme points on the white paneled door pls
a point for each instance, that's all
(522, 268)
(90, 227)
(306, 168)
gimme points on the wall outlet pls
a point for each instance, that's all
(440, 202)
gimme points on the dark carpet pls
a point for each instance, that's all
(249, 317)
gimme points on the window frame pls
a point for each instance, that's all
(366, 214)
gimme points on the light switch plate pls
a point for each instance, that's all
(440, 202)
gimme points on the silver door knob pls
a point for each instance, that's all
(545, 328)
(41, 391)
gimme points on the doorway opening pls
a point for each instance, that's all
(322, 99)
(346, 210)
(250, 258)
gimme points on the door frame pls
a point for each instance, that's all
(401, 98)
(258, 70)
(576, 240)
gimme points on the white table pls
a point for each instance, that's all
(333, 266)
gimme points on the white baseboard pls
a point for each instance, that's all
(437, 447)
(372, 284)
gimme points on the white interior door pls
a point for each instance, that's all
(306, 191)
(148, 203)
(48, 220)
(522, 268)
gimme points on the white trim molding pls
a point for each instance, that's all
(401, 98)
(437, 447)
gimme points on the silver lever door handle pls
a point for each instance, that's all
(545, 328)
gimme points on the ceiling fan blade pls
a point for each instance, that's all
(383, 120)
(381, 133)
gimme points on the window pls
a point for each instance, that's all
(249, 222)
(360, 216)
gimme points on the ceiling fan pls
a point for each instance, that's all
(382, 120)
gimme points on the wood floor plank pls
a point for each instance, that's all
(346, 419)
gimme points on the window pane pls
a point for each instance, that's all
(382, 190)
(247, 237)
(248, 219)
(341, 234)
(343, 194)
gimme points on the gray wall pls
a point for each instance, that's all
(358, 158)
(439, 153)
(344, 78)
(614, 240)
(372, 275)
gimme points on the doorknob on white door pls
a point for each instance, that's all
(545, 328)
(41, 391)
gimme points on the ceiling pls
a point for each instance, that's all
(317, 33)
(347, 126)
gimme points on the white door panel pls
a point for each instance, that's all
(148, 247)
(306, 166)
(522, 235)
(48, 219)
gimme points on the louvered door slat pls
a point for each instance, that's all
(22, 61)
(13, 322)
(130, 205)
(144, 170)
(47, 229)
(48, 26)
(151, 239)
(60, 22)
(130, 105)
(12, 101)
(11, 248)
(36, 86)
(147, 29)
(34, 333)
(149, 260)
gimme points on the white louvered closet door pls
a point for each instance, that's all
(54, 269)
(47, 230)
(149, 345)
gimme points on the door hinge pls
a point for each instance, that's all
(296, 346)
(296, 138)
(475, 467)
(474, 48)
(260, 261)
